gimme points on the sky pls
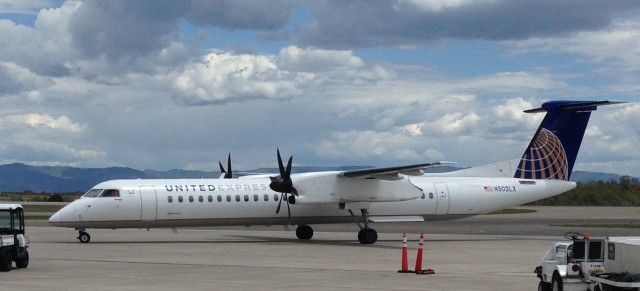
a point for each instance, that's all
(180, 84)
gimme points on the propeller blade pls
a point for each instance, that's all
(222, 171)
(288, 171)
(288, 209)
(228, 175)
(279, 203)
(280, 165)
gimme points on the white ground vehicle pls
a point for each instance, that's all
(579, 264)
(13, 243)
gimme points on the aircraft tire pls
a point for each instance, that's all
(84, 237)
(304, 232)
(367, 236)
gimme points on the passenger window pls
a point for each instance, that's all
(180, 199)
(200, 198)
(170, 199)
(430, 195)
(237, 198)
(246, 198)
(210, 198)
(219, 198)
(110, 193)
(190, 198)
(266, 197)
(228, 198)
(275, 197)
(255, 197)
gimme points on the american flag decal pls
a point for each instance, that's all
(488, 188)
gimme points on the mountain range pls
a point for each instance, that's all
(19, 177)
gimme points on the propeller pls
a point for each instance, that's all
(227, 174)
(284, 184)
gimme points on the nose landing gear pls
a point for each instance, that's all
(83, 236)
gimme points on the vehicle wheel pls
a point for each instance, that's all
(544, 286)
(367, 236)
(556, 282)
(5, 262)
(23, 261)
(84, 237)
(304, 232)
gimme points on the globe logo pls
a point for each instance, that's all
(545, 158)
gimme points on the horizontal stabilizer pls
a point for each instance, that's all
(571, 105)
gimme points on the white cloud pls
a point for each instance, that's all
(15, 79)
(374, 145)
(293, 58)
(454, 123)
(615, 48)
(42, 120)
(227, 77)
(513, 82)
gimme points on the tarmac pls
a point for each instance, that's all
(487, 252)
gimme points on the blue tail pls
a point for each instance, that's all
(553, 150)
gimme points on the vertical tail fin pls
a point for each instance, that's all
(552, 152)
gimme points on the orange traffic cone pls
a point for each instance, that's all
(418, 268)
(405, 260)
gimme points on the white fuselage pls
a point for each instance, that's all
(250, 201)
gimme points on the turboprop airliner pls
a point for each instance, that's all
(362, 197)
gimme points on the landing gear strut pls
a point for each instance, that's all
(83, 236)
(366, 235)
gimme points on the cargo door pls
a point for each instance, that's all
(148, 200)
(442, 194)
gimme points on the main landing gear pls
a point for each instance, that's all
(366, 235)
(83, 236)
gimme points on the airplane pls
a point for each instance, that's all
(391, 194)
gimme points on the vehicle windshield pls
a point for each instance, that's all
(5, 220)
(92, 193)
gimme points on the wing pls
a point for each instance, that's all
(391, 173)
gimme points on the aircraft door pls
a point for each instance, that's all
(442, 195)
(148, 200)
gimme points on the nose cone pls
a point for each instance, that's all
(65, 217)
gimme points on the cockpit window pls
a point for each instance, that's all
(110, 193)
(92, 193)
